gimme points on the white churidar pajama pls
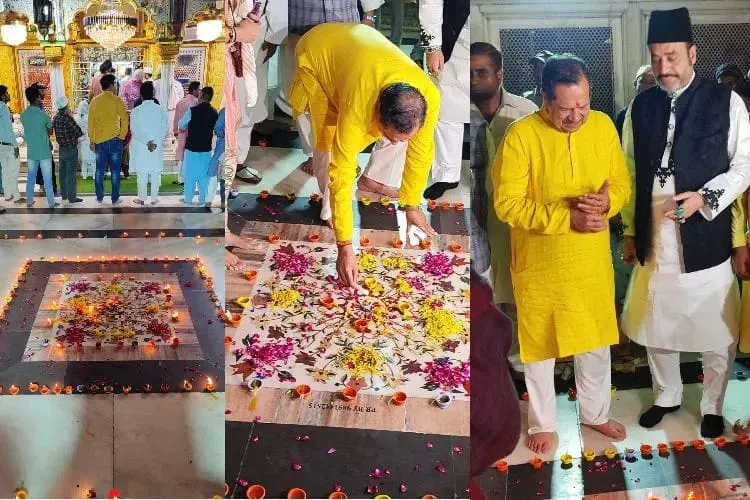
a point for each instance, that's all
(149, 123)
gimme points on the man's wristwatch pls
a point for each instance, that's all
(432, 50)
(369, 17)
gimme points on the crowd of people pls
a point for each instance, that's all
(550, 175)
(118, 125)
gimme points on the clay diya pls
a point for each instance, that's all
(187, 386)
(349, 394)
(397, 243)
(425, 244)
(525, 396)
(365, 200)
(338, 494)
(382, 497)
(22, 493)
(44, 390)
(501, 466)
(720, 442)
(147, 388)
(315, 197)
(398, 398)
(566, 459)
(210, 386)
(14, 390)
(663, 449)
(455, 247)
(255, 491)
(537, 463)
(33, 387)
(589, 455)
(429, 496)
(744, 439)
(314, 238)
(385, 201)
(264, 194)
(57, 389)
(629, 454)
(445, 206)
(678, 445)
(291, 196)
(443, 401)
(699, 444)
(459, 207)
(303, 391)
(68, 389)
(273, 238)
(243, 302)
(126, 389)
(228, 340)
(646, 450)
(364, 242)
(610, 453)
(297, 493)
(226, 489)
(327, 302)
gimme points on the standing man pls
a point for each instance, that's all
(559, 176)
(150, 126)
(359, 87)
(37, 127)
(198, 124)
(11, 166)
(217, 158)
(67, 133)
(688, 144)
(105, 69)
(108, 128)
(445, 35)
(493, 110)
(182, 107)
(537, 67)
(644, 80)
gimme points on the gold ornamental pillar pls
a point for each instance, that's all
(54, 56)
(168, 51)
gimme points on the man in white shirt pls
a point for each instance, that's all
(149, 125)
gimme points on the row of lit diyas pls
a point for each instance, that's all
(257, 491)
(124, 234)
(646, 450)
(22, 493)
(34, 387)
(424, 244)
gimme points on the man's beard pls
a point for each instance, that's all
(480, 96)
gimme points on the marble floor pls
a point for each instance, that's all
(627, 405)
(144, 445)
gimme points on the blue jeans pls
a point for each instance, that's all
(108, 154)
(34, 166)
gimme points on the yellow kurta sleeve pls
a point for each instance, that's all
(419, 155)
(122, 112)
(739, 222)
(620, 187)
(511, 179)
(343, 172)
(628, 210)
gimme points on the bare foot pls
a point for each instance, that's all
(329, 223)
(306, 166)
(542, 442)
(367, 184)
(612, 429)
(232, 240)
(232, 262)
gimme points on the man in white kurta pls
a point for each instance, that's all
(493, 110)
(273, 30)
(149, 128)
(85, 155)
(670, 309)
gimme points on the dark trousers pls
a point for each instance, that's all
(68, 169)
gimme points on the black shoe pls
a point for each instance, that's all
(178, 183)
(438, 189)
(76, 200)
(712, 426)
(653, 415)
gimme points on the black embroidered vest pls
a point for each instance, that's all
(200, 134)
(699, 154)
(455, 14)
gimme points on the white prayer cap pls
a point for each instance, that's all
(148, 71)
(61, 102)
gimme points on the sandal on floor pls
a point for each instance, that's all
(250, 175)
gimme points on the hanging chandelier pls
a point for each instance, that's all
(13, 29)
(210, 23)
(110, 27)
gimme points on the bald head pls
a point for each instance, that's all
(402, 110)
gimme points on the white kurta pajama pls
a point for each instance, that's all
(254, 108)
(670, 311)
(85, 155)
(149, 123)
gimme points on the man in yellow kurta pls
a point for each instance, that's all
(559, 176)
(359, 87)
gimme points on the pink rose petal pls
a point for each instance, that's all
(403, 488)
(440, 468)
(296, 466)
(372, 489)
(376, 474)
(337, 487)
(254, 438)
(387, 472)
(242, 483)
(331, 451)
(303, 438)
(429, 444)
(256, 419)
(458, 449)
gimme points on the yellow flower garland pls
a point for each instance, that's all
(439, 323)
(285, 298)
(365, 360)
(367, 262)
(395, 262)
